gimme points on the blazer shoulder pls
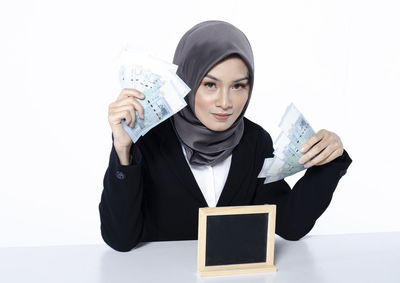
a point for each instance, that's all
(256, 131)
(158, 133)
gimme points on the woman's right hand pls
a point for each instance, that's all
(124, 107)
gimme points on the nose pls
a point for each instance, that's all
(224, 99)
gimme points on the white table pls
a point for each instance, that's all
(338, 258)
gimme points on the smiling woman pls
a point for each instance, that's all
(222, 94)
(208, 154)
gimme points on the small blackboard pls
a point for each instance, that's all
(236, 239)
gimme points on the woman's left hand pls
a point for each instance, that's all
(324, 146)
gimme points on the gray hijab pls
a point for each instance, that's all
(201, 48)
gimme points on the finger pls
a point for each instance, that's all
(116, 117)
(313, 140)
(130, 92)
(321, 157)
(131, 110)
(128, 101)
(334, 144)
(338, 152)
(139, 109)
(315, 150)
(123, 101)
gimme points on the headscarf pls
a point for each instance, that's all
(198, 51)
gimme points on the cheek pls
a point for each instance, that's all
(202, 102)
(200, 105)
(240, 101)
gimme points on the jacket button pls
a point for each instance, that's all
(120, 175)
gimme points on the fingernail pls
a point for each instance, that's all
(303, 149)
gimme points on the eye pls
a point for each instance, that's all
(239, 86)
(209, 85)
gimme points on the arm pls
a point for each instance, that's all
(121, 202)
(300, 207)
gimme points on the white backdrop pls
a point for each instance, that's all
(337, 60)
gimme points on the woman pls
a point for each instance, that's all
(208, 154)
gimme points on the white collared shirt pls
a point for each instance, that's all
(211, 179)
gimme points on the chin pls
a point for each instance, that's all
(218, 127)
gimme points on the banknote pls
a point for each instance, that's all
(295, 126)
(296, 131)
(163, 91)
(276, 166)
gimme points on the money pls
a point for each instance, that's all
(164, 91)
(296, 131)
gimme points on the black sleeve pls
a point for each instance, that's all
(300, 207)
(121, 202)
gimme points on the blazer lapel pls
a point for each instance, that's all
(171, 150)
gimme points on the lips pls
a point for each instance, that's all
(221, 116)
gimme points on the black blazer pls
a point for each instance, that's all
(157, 198)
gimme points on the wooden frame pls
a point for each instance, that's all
(267, 266)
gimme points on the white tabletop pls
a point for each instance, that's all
(339, 258)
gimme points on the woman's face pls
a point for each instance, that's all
(222, 94)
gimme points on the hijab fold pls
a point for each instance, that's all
(198, 51)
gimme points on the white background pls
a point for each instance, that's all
(337, 60)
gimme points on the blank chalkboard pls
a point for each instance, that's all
(247, 234)
(236, 239)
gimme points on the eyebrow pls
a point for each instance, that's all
(218, 80)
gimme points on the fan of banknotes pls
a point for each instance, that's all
(296, 131)
(164, 91)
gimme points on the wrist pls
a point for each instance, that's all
(122, 147)
(123, 153)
